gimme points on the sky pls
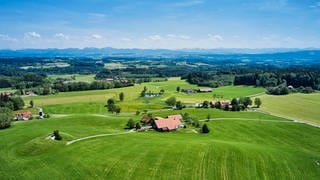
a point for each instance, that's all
(167, 24)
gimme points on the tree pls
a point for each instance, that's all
(138, 126)
(121, 96)
(31, 104)
(111, 105)
(162, 91)
(246, 101)
(130, 124)
(208, 117)
(137, 112)
(18, 103)
(117, 109)
(171, 101)
(257, 102)
(205, 104)
(178, 89)
(179, 105)
(5, 117)
(56, 135)
(234, 102)
(205, 129)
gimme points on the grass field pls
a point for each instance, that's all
(94, 101)
(78, 77)
(296, 106)
(241, 145)
(233, 150)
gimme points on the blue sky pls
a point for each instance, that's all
(170, 24)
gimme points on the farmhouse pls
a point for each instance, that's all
(25, 116)
(188, 91)
(225, 104)
(170, 123)
(205, 90)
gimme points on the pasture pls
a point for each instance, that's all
(295, 106)
(235, 149)
(240, 145)
(78, 77)
(94, 101)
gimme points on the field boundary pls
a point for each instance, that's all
(290, 118)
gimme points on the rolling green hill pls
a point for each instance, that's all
(240, 145)
(235, 149)
(295, 106)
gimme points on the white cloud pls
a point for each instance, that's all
(97, 15)
(126, 39)
(30, 35)
(175, 36)
(96, 36)
(155, 37)
(5, 37)
(61, 36)
(216, 37)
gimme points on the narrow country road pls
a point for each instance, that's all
(99, 135)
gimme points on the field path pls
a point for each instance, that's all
(247, 119)
(99, 135)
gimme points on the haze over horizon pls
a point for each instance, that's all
(174, 24)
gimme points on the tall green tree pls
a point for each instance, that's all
(31, 103)
(111, 105)
(171, 101)
(178, 89)
(18, 103)
(246, 102)
(130, 124)
(121, 96)
(5, 117)
(257, 102)
(179, 105)
(205, 104)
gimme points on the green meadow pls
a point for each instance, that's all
(240, 145)
(78, 77)
(296, 106)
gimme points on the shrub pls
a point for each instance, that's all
(57, 135)
(205, 129)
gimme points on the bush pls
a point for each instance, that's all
(205, 129)
(130, 124)
(57, 135)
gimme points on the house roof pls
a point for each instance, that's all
(175, 117)
(169, 123)
(24, 114)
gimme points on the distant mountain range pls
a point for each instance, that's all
(107, 52)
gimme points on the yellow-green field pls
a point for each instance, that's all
(78, 77)
(295, 106)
